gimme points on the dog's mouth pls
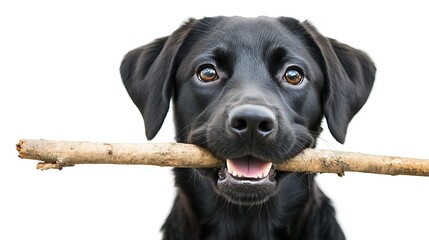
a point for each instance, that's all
(247, 180)
(247, 168)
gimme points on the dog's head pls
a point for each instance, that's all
(253, 91)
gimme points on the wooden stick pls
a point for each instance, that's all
(59, 154)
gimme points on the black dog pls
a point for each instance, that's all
(253, 91)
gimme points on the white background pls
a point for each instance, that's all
(59, 79)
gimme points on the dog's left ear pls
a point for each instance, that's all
(349, 77)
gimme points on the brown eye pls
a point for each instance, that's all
(207, 74)
(293, 76)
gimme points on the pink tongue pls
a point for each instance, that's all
(249, 167)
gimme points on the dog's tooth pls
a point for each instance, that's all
(264, 174)
(267, 170)
(228, 168)
(234, 173)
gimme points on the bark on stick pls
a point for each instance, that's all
(59, 154)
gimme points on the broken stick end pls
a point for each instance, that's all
(19, 148)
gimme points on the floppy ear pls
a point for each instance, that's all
(148, 75)
(349, 77)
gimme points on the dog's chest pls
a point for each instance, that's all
(244, 227)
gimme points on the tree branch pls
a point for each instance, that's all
(59, 154)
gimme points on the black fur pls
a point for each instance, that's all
(249, 111)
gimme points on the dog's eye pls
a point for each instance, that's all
(293, 76)
(207, 74)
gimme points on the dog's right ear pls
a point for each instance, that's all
(148, 75)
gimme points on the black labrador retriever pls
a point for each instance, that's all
(253, 91)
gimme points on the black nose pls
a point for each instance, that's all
(252, 122)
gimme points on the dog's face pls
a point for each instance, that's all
(251, 91)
